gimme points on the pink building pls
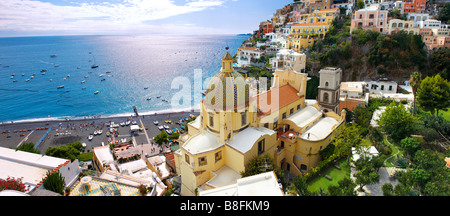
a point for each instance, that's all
(370, 18)
(436, 42)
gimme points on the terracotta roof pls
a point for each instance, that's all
(250, 48)
(310, 24)
(171, 158)
(288, 95)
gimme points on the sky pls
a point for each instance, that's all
(133, 17)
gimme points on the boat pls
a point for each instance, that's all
(23, 74)
(166, 127)
(83, 81)
(155, 122)
(53, 55)
(43, 70)
(56, 65)
(12, 77)
(149, 98)
(43, 73)
(100, 132)
(27, 80)
(108, 71)
(158, 96)
(127, 123)
(86, 76)
(95, 133)
(100, 75)
(134, 122)
(96, 92)
(68, 75)
(90, 137)
(83, 88)
(103, 79)
(94, 66)
(160, 127)
(34, 74)
(60, 87)
(145, 88)
(31, 77)
(107, 133)
(122, 124)
(78, 68)
(51, 80)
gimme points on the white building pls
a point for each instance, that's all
(289, 59)
(33, 167)
(264, 184)
(381, 87)
(246, 54)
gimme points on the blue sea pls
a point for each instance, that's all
(132, 62)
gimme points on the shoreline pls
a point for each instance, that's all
(99, 117)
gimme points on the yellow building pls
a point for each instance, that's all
(304, 35)
(235, 125)
(324, 15)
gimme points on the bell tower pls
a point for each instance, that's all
(328, 90)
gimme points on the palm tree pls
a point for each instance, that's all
(414, 82)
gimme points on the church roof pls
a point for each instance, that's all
(244, 140)
(227, 56)
(285, 94)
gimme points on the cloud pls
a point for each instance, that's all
(127, 15)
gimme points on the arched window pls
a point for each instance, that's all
(400, 25)
(326, 84)
(394, 25)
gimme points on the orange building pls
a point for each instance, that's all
(412, 6)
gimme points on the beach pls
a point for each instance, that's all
(54, 133)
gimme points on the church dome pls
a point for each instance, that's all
(227, 90)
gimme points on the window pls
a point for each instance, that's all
(360, 16)
(371, 16)
(284, 115)
(390, 88)
(218, 156)
(261, 146)
(325, 97)
(211, 120)
(303, 167)
(326, 84)
(382, 87)
(186, 157)
(275, 124)
(202, 161)
(298, 107)
(291, 111)
(243, 118)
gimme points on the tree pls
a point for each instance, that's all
(345, 187)
(414, 82)
(301, 188)
(410, 145)
(433, 94)
(69, 151)
(388, 189)
(348, 138)
(161, 138)
(261, 164)
(28, 147)
(366, 175)
(396, 121)
(444, 14)
(55, 182)
(359, 4)
(420, 177)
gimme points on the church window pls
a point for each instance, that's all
(326, 84)
(186, 157)
(211, 120)
(218, 156)
(261, 146)
(243, 118)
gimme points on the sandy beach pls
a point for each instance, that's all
(56, 133)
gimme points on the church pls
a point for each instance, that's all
(237, 123)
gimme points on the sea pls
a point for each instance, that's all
(132, 71)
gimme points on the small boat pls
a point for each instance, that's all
(158, 96)
(122, 124)
(155, 122)
(127, 123)
(145, 88)
(134, 122)
(34, 74)
(56, 65)
(83, 81)
(103, 79)
(78, 67)
(53, 55)
(23, 74)
(83, 88)
(94, 66)
(27, 80)
(96, 92)
(60, 87)
(51, 80)
(13, 74)
(43, 70)
(90, 137)
(31, 77)
(161, 127)
(166, 127)
(43, 73)
(100, 132)
(100, 75)
(149, 98)
(95, 133)
(12, 77)
(68, 75)
(107, 133)
(108, 71)
(86, 76)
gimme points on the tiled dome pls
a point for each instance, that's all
(227, 90)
